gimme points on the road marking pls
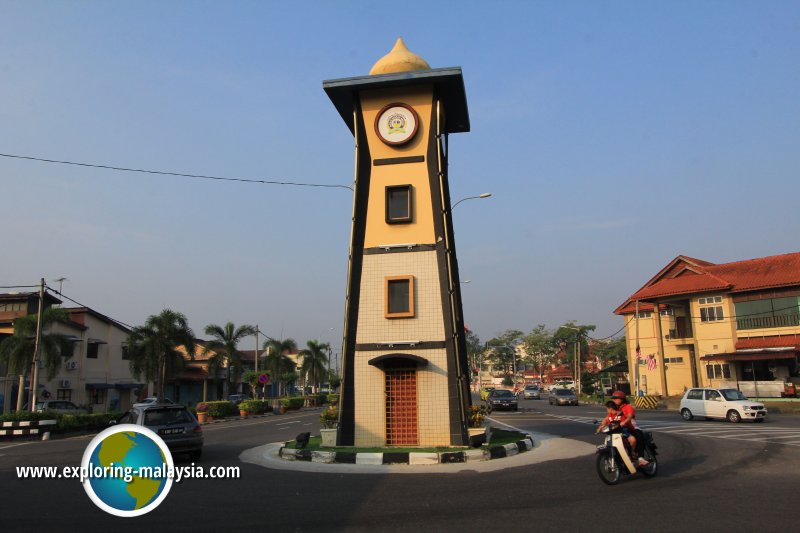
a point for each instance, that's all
(286, 423)
(265, 421)
(507, 425)
(18, 444)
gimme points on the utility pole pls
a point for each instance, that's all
(637, 354)
(36, 351)
(255, 357)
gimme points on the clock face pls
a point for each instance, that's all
(396, 124)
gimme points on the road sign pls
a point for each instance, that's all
(263, 379)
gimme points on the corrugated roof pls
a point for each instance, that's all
(776, 341)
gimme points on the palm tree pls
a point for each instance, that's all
(278, 363)
(223, 350)
(17, 350)
(153, 347)
(314, 360)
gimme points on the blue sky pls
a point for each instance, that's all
(612, 135)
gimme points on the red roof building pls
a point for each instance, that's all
(731, 324)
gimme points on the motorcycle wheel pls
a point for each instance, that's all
(608, 470)
(652, 469)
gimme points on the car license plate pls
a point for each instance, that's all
(170, 431)
(506, 404)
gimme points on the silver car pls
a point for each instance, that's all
(173, 423)
(62, 407)
(562, 397)
(531, 392)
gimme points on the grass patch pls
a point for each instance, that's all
(500, 437)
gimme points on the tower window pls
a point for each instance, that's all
(399, 297)
(398, 204)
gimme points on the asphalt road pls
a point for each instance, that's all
(711, 477)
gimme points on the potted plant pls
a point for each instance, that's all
(477, 417)
(202, 412)
(329, 420)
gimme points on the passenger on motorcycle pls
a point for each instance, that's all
(636, 437)
(613, 417)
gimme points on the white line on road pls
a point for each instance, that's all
(285, 423)
(18, 444)
(508, 425)
(231, 426)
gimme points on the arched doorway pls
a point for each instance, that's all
(400, 392)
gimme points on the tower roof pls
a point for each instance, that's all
(399, 59)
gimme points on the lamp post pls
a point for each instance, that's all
(577, 358)
(479, 197)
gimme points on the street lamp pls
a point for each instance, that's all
(577, 358)
(480, 196)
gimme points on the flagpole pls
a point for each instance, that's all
(638, 353)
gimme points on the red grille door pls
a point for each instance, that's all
(401, 406)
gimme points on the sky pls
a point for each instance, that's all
(613, 137)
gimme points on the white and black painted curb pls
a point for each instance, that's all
(27, 427)
(407, 458)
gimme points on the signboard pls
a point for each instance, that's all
(263, 379)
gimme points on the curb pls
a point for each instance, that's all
(230, 418)
(408, 458)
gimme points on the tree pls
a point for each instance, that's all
(251, 378)
(474, 350)
(224, 351)
(278, 363)
(539, 346)
(501, 351)
(314, 360)
(567, 334)
(153, 347)
(17, 350)
(611, 351)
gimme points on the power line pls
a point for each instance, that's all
(86, 306)
(181, 174)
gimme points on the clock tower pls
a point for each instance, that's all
(405, 376)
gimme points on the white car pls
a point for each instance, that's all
(728, 404)
(152, 400)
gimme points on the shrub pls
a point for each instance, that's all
(293, 404)
(333, 399)
(508, 382)
(22, 416)
(202, 407)
(221, 409)
(256, 407)
(329, 418)
(92, 422)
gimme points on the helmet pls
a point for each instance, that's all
(618, 394)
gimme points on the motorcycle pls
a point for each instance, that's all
(614, 460)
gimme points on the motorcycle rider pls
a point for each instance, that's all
(613, 417)
(636, 438)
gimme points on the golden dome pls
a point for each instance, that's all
(400, 59)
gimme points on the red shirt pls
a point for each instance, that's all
(628, 411)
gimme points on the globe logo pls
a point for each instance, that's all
(127, 470)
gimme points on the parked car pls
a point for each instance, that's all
(173, 423)
(563, 384)
(531, 392)
(729, 404)
(236, 399)
(501, 399)
(59, 406)
(152, 400)
(485, 392)
(562, 397)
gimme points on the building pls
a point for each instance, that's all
(405, 375)
(703, 324)
(97, 376)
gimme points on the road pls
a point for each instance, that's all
(713, 475)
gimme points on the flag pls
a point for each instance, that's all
(638, 354)
(651, 362)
